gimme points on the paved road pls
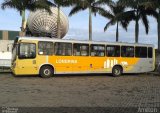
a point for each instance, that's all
(80, 91)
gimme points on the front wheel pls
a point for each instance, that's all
(46, 72)
(117, 71)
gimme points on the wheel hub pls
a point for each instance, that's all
(47, 72)
(117, 72)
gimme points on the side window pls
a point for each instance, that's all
(141, 52)
(127, 51)
(113, 51)
(97, 50)
(150, 52)
(63, 49)
(45, 48)
(80, 49)
(27, 51)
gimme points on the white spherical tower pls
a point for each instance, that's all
(41, 22)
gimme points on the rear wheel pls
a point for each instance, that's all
(117, 71)
(46, 71)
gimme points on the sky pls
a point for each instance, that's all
(10, 19)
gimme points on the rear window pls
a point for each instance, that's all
(150, 52)
(141, 52)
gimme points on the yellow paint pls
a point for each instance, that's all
(69, 64)
(88, 63)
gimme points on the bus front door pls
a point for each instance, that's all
(27, 59)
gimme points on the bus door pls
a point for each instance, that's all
(27, 58)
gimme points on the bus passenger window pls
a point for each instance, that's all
(141, 52)
(80, 49)
(63, 49)
(127, 51)
(27, 51)
(97, 50)
(45, 48)
(112, 51)
(150, 52)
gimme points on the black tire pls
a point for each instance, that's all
(117, 71)
(46, 72)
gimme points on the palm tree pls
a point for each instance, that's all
(140, 13)
(155, 4)
(60, 3)
(23, 5)
(94, 6)
(116, 16)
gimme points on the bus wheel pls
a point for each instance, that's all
(117, 71)
(46, 72)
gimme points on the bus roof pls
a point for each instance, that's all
(82, 41)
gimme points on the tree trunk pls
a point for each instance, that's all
(159, 31)
(58, 24)
(90, 24)
(117, 34)
(136, 31)
(23, 27)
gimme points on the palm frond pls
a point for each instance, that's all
(81, 3)
(75, 10)
(124, 24)
(127, 16)
(8, 4)
(102, 12)
(40, 4)
(110, 23)
(128, 3)
(112, 7)
(132, 3)
(27, 4)
(152, 4)
(145, 22)
(66, 3)
(151, 12)
(102, 2)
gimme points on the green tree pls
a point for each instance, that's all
(140, 13)
(116, 15)
(94, 6)
(23, 5)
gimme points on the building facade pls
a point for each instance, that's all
(9, 35)
(7, 39)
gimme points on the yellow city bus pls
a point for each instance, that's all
(46, 57)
